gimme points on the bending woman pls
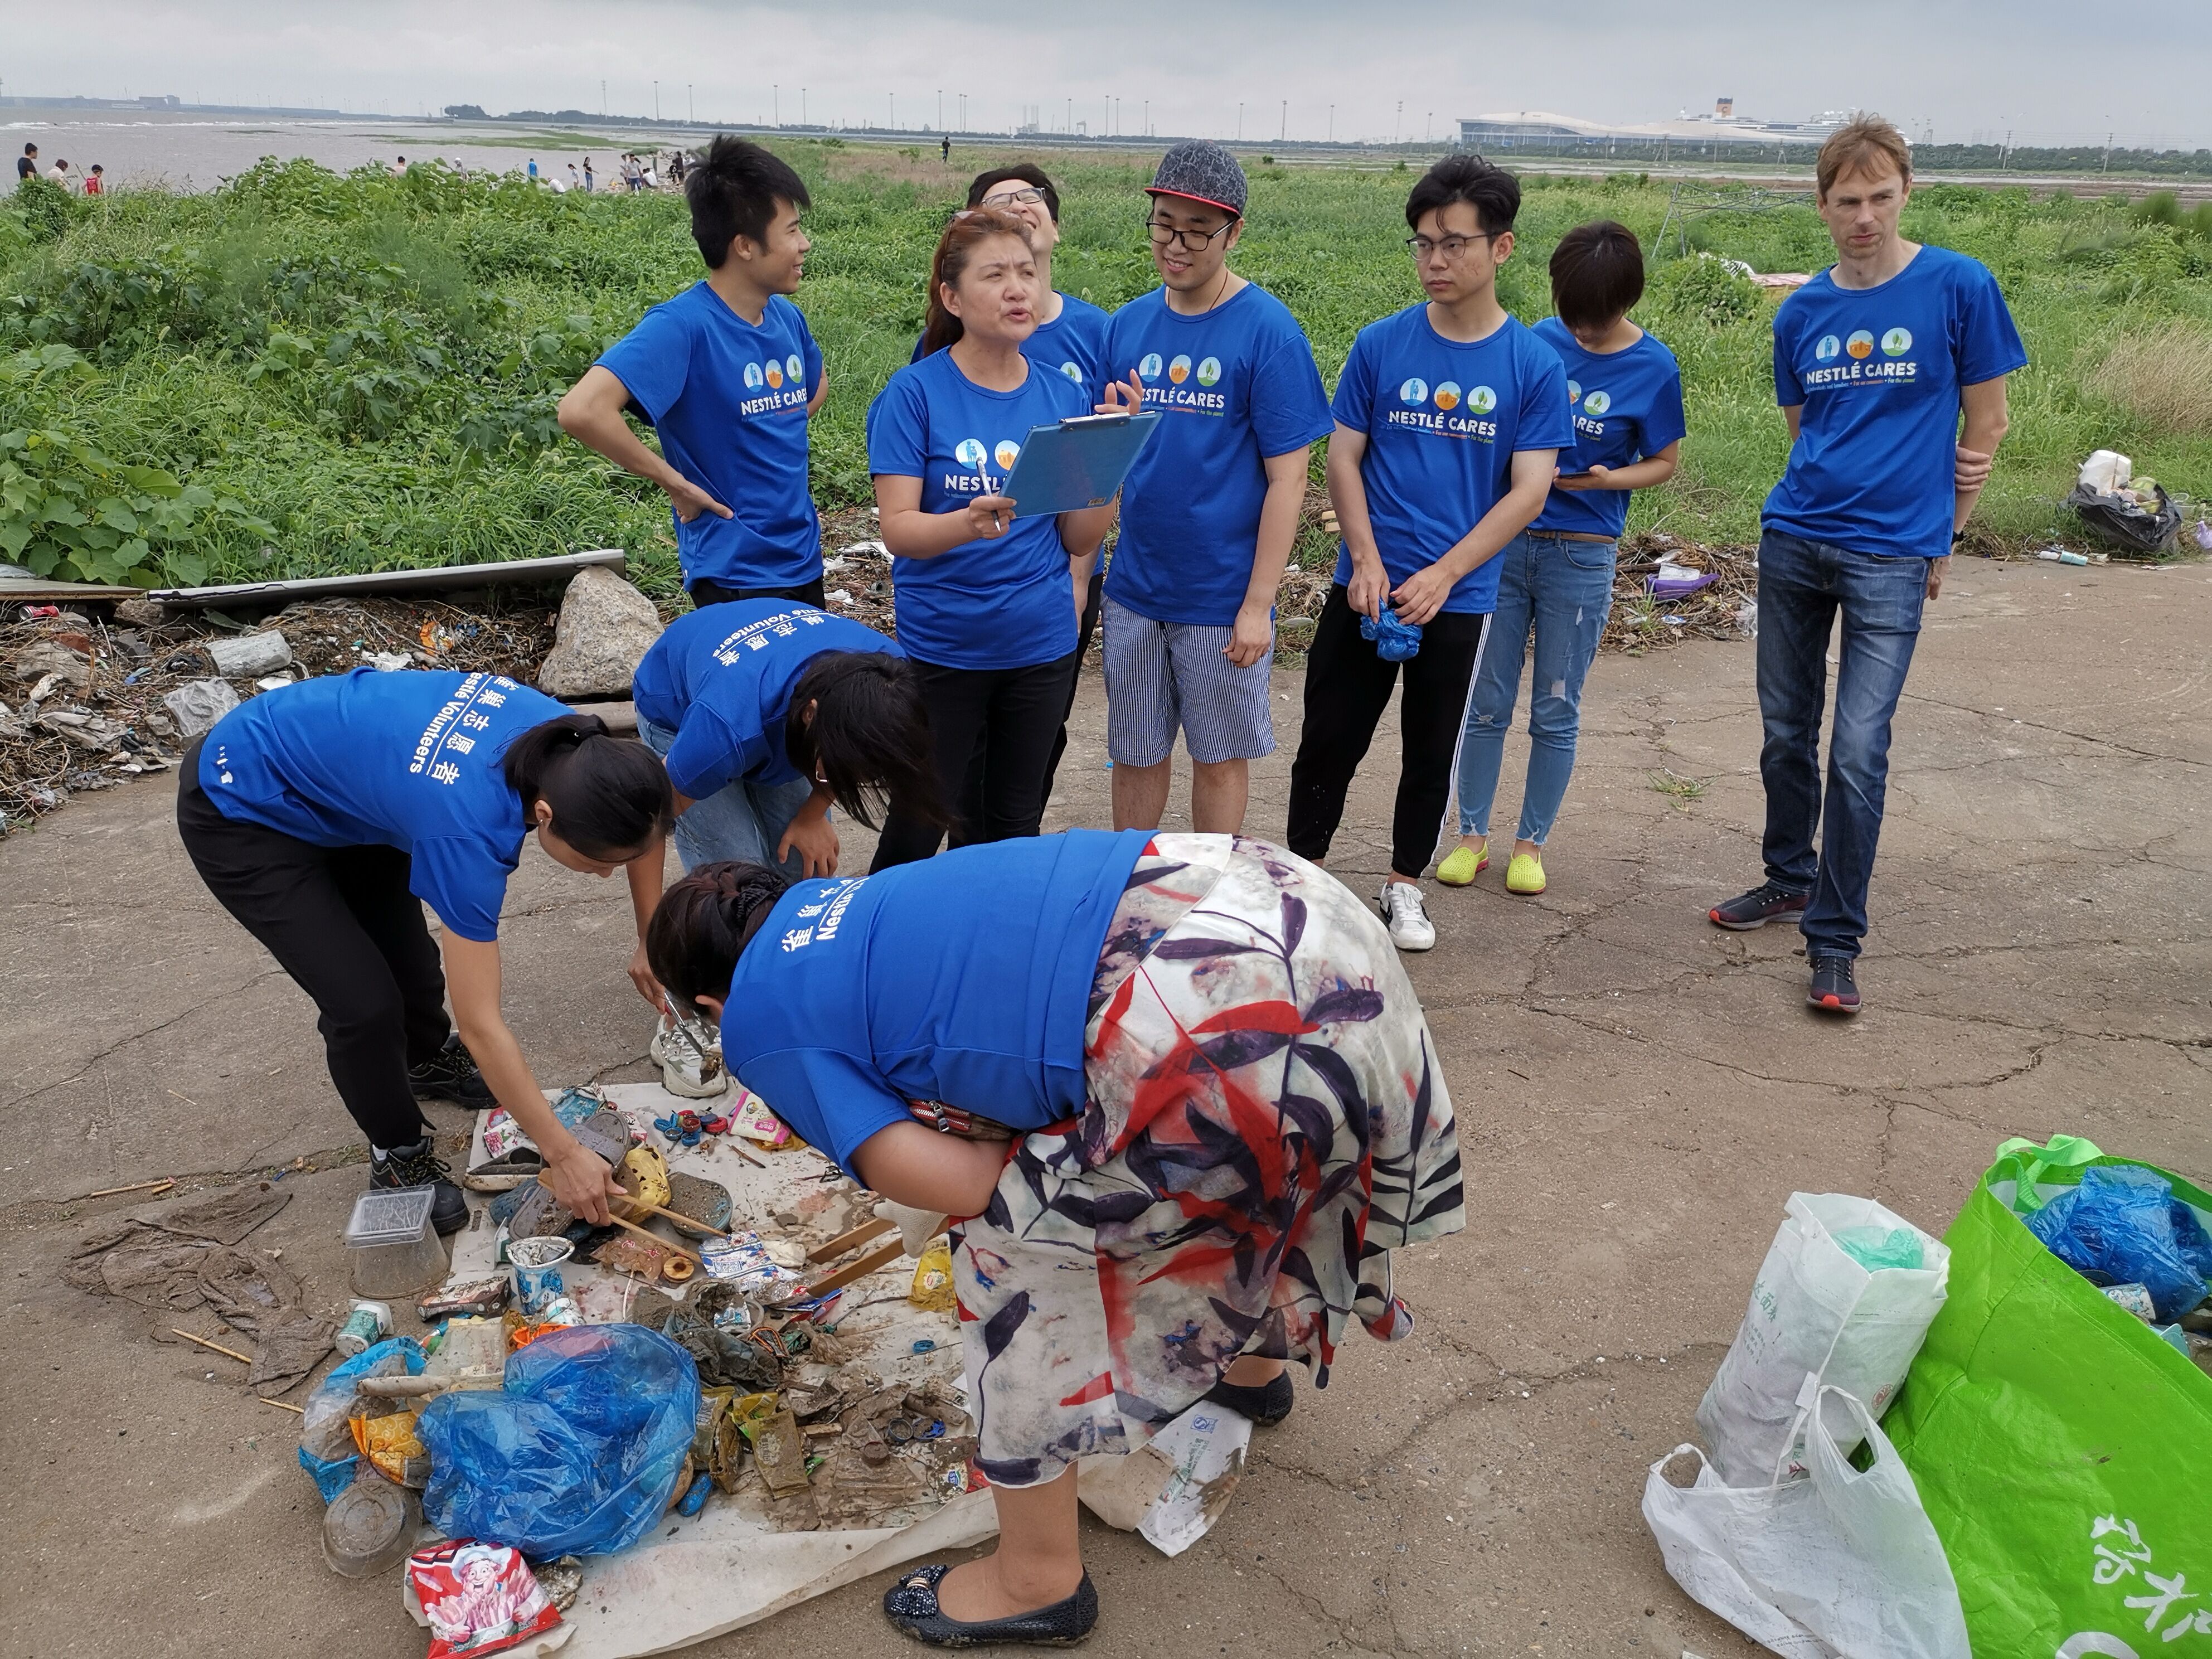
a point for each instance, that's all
(769, 711)
(1225, 1110)
(326, 816)
(988, 602)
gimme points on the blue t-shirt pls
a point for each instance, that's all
(1627, 406)
(729, 401)
(408, 760)
(1073, 343)
(987, 604)
(1236, 385)
(1442, 419)
(1878, 371)
(720, 678)
(964, 979)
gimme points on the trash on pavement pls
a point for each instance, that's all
(366, 1324)
(196, 705)
(391, 1249)
(1835, 1561)
(479, 1599)
(249, 656)
(1816, 1310)
(2134, 514)
(370, 1526)
(2123, 1226)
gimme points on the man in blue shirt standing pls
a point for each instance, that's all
(1450, 417)
(1874, 360)
(728, 374)
(1210, 509)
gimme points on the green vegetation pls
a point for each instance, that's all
(304, 373)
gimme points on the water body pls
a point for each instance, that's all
(185, 150)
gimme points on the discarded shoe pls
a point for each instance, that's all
(1267, 1405)
(911, 1604)
(697, 1206)
(690, 1060)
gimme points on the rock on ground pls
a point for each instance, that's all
(606, 627)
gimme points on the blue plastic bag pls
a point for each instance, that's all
(323, 1424)
(1395, 641)
(2123, 1225)
(578, 1455)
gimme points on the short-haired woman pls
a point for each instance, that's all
(1225, 1107)
(325, 816)
(987, 604)
(1556, 579)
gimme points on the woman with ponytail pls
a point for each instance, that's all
(325, 816)
(988, 601)
(1178, 1086)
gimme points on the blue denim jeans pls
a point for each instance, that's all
(1564, 590)
(1802, 586)
(740, 820)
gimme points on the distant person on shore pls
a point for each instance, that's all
(646, 176)
(1450, 417)
(945, 149)
(591, 179)
(728, 374)
(399, 167)
(26, 164)
(1876, 360)
(533, 169)
(62, 175)
(94, 184)
(575, 179)
(1210, 509)
(1556, 580)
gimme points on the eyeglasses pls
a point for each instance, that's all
(1452, 248)
(1191, 242)
(1008, 198)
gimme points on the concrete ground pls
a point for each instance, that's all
(1637, 1093)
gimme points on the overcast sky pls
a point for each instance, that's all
(1967, 68)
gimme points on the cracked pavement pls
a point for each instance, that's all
(1638, 1092)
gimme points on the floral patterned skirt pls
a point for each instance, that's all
(1266, 1120)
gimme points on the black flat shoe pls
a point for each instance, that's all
(911, 1604)
(1266, 1407)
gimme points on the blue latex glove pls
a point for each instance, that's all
(1393, 641)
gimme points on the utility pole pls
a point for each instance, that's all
(1332, 123)
(690, 104)
(1398, 126)
(940, 109)
(1148, 118)
(603, 98)
(1240, 123)
(894, 102)
(1284, 131)
(775, 102)
(2107, 167)
(656, 101)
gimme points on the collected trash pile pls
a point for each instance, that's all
(86, 702)
(2132, 514)
(1995, 1444)
(1666, 590)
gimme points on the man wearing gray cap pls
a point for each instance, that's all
(1211, 507)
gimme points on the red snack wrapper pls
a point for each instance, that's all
(479, 1598)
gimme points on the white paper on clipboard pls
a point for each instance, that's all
(1078, 464)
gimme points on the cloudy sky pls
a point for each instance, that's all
(1968, 68)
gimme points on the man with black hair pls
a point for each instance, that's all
(1450, 416)
(26, 164)
(728, 374)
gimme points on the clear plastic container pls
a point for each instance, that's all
(390, 1246)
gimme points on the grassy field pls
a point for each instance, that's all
(306, 373)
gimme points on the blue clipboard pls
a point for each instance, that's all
(1078, 464)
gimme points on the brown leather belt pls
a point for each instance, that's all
(1572, 536)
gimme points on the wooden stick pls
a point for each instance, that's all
(300, 1410)
(243, 1358)
(689, 1221)
(654, 1238)
(845, 1241)
(135, 1187)
(861, 1269)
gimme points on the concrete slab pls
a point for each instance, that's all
(1637, 1093)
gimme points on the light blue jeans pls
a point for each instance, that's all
(740, 820)
(1563, 589)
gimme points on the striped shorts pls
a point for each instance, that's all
(1161, 677)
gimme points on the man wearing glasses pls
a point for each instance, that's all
(1211, 507)
(1450, 416)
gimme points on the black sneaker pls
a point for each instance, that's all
(1267, 1405)
(1757, 907)
(1833, 991)
(419, 1165)
(452, 1077)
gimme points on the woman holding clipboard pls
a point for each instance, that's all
(987, 603)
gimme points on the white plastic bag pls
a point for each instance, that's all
(1816, 1311)
(1831, 1563)
(2105, 471)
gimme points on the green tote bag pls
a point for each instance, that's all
(2063, 1450)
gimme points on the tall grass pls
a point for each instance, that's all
(359, 371)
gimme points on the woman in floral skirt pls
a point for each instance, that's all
(1177, 1085)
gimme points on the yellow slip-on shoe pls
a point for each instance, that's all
(1525, 875)
(1463, 865)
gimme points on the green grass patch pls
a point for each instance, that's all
(307, 373)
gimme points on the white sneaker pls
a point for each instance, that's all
(1406, 916)
(684, 1071)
